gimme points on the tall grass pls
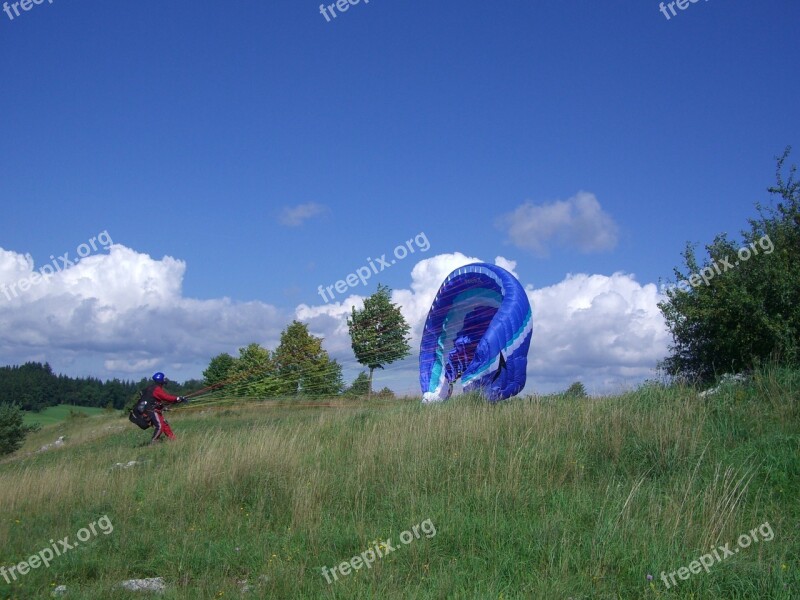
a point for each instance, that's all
(532, 498)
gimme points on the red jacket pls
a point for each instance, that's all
(155, 396)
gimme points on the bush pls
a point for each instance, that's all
(360, 386)
(386, 393)
(740, 306)
(74, 415)
(576, 390)
(12, 429)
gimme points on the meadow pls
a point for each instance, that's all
(537, 497)
(56, 414)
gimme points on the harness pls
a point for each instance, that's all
(146, 402)
(148, 398)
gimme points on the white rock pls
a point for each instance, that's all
(726, 379)
(56, 444)
(59, 590)
(153, 584)
(127, 465)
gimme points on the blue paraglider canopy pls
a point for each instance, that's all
(478, 329)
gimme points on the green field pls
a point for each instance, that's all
(57, 414)
(547, 498)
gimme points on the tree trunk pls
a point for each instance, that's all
(369, 388)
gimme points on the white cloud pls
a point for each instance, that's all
(330, 321)
(508, 265)
(578, 223)
(606, 331)
(124, 314)
(294, 216)
(124, 310)
(136, 367)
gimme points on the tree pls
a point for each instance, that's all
(378, 332)
(253, 373)
(386, 393)
(576, 390)
(190, 386)
(219, 369)
(360, 386)
(34, 386)
(12, 428)
(303, 366)
(742, 305)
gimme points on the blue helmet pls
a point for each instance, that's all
(159, 377)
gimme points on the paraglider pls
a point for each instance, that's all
(148, 410)
(479, 330)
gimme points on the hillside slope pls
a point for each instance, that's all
(533, 498)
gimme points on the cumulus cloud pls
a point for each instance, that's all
(603, 330)
(508, 265)
(124, 310)
(124, 314)
(294, 216)
(330, 321)
(578, 222)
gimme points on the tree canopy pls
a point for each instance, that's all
(299, 366)
(33, 386)
(218, 370)
(741, 305)
(12, 429)
(378, 332)
(303, 367)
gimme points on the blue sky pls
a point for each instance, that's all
(196, 130)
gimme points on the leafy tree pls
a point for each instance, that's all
(576, 390)
(360, 386)
(191, 385)
(219, 369)
(12, 428)
(747, 307)
(303, 367)
(378, 332)
(385, 393)
(254, 372)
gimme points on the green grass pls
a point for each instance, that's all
(56, 414)
(533, 498)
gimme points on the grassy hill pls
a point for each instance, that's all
(534, 498)
(56, 414)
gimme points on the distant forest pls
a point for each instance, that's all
(33, 386)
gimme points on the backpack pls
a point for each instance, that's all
(138, 416)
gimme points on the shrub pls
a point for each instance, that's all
(12, 429)
(576, 390)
